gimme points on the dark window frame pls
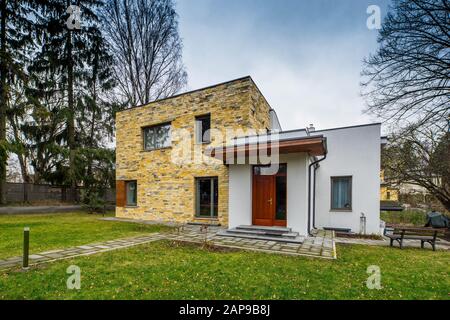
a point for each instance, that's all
(199, 136)
(350, 191)
(280, 165)
(143, 129)
(197, 200)
(128, 204)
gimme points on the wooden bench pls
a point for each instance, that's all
(423, 234)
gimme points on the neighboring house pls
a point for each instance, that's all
(387, 192)
(391, 190)
(218, 156)
(389, 195)
(409, 188)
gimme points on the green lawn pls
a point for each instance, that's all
(54, 231)
(164, 270)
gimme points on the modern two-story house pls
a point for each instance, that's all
(218, 155)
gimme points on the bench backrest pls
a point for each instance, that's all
(419, 231)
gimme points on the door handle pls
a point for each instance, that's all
(270, 200)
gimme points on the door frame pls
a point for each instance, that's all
(274, 222)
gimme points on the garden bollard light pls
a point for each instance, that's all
(26, 247)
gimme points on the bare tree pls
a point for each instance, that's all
(407, 80)
(147, 50)
(420, 157)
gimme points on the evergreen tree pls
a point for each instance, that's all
(16, 33)
(74, 60)
(96, 121)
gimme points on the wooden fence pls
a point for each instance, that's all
(29, 192)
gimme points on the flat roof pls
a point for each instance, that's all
(350, 127)
(200, 89)
(256, 86)
(303, 132)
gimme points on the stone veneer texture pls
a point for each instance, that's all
(166, 188)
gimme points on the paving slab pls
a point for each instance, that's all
(85, 247)
(36, 256)
(103, 247)
(14, 259)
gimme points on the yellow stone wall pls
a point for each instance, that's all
(259, 110)
(166, 188)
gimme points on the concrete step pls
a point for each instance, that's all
(264, 233)
(273, 229)
(290, 235)
(227, 233)
(210, 224)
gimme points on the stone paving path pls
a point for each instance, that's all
(320, 246)
(84, 250)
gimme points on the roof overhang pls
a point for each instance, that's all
(314, 146)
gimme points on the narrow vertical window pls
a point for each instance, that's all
(281, 195)
(203, 127)
(207, 197)
(341, 193)
(131, 193)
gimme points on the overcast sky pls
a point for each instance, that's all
(305, 56)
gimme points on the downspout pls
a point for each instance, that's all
(315, 163)
(314, 194)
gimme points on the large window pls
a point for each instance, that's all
(202, 128)
(341, 193)
(131, 193)
(157, 137)
(207, 197)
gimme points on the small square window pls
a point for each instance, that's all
(203, 128)
(157, 137)
(131, 193)
(341, 193)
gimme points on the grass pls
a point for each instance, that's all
(168, 270)
(407, 217)
(55, 231)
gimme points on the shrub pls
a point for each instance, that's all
(408, 217)
(92, 201)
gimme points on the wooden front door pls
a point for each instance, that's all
(263, 200)
(269, 198)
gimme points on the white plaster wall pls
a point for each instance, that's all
(351, 152)
(240, 193)
(297, 186)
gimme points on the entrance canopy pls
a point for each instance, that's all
(268, 144)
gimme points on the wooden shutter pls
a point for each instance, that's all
(121, 196)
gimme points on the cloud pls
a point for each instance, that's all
(304, 55)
